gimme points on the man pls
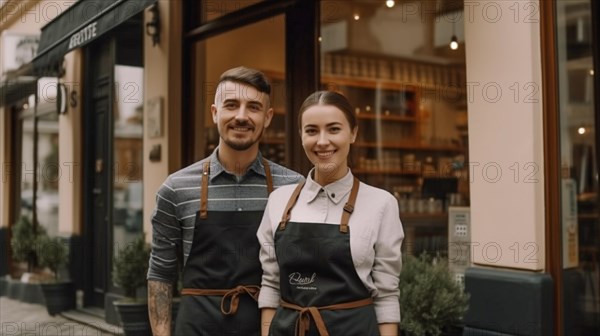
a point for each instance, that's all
(212, 209)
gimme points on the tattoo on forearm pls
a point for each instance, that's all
(160, 296)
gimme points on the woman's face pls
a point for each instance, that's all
(326, 138)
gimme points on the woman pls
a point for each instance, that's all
(330, 247)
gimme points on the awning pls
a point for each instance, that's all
(15, 89)
(80, 24)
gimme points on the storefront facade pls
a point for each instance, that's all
(484, 129)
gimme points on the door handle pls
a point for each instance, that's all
(99, 165)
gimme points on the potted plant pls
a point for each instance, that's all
(431, 301)
(59, 293)
(130, 266)
(23, 242)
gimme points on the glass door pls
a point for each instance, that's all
(579, 164)
(240, 47)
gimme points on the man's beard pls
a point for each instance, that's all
(242, 146)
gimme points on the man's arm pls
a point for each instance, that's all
(160, 298)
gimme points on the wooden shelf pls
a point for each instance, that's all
(386, 171)
(412, 221)
(424, 215)
(587, 216)
(373, 116)
(272, 141)
(399, 145)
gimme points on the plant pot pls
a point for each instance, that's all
(133, 316)
(452, 330)
(59, 296)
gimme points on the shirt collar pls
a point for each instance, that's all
(335, 191)
(216, 168)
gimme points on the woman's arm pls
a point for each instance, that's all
(268, 299)
(388, 262)
(388, 329)
(266, 316)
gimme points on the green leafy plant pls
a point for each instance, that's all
(23, 241)
(430, 299)
(52, 253)
(130, 266)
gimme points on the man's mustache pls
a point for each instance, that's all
(242, 123)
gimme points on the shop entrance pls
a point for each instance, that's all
(114, 135)
(98, 170)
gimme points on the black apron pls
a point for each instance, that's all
(321, 293)
(221, 278)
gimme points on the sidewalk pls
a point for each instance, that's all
(25, 319)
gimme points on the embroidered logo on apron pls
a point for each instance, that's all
(303, 282)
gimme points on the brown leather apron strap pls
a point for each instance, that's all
(204, 196)
(285, 217)
(349, 206)
(305, 313)
(269, 176)
(228, 294)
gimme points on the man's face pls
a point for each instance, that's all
(241, 113)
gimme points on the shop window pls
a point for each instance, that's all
(580, 229)
(394, 62)
(238, 47)
(127, 155)
(38, 164)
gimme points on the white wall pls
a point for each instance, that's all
(505, 135)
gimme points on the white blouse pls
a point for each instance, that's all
(376, 236)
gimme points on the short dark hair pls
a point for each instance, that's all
(247, 76)
(329, 98)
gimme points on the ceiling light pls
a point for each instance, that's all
(356, 17)
(453, 40)
(581, 130)
(390, 3)
(454, 43)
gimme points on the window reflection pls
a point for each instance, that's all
(49, 172)
(127, 155)
(579, 192)
(27, 167)
(39, 166)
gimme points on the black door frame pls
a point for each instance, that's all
(103, 244)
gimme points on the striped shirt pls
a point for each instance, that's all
(178, 200)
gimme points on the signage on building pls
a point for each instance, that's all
(85, 34)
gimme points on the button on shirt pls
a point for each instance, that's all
(376, 236)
